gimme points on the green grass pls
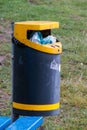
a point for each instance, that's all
(72, 16)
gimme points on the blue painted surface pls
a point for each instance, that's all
(26, 123)
(4, 122)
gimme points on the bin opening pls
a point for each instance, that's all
(44, 33)
(41, 37)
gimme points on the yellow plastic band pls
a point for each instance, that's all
(32, 107)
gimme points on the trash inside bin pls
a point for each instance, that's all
(36, 69)
(38, 38)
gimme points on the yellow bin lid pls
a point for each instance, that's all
(37, 25)
(20, 33)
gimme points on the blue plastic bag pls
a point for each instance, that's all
(38, 38)
(49, 39)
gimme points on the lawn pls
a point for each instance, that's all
(72, 16)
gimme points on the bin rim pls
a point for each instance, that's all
(54, 48)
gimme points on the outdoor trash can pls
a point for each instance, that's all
(36, 70)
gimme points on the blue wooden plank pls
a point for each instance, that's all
(4, 122)
(26, 123)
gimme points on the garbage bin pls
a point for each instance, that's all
(36, 70)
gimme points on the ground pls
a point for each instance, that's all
(72, 16)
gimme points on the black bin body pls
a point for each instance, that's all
(36, 81)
